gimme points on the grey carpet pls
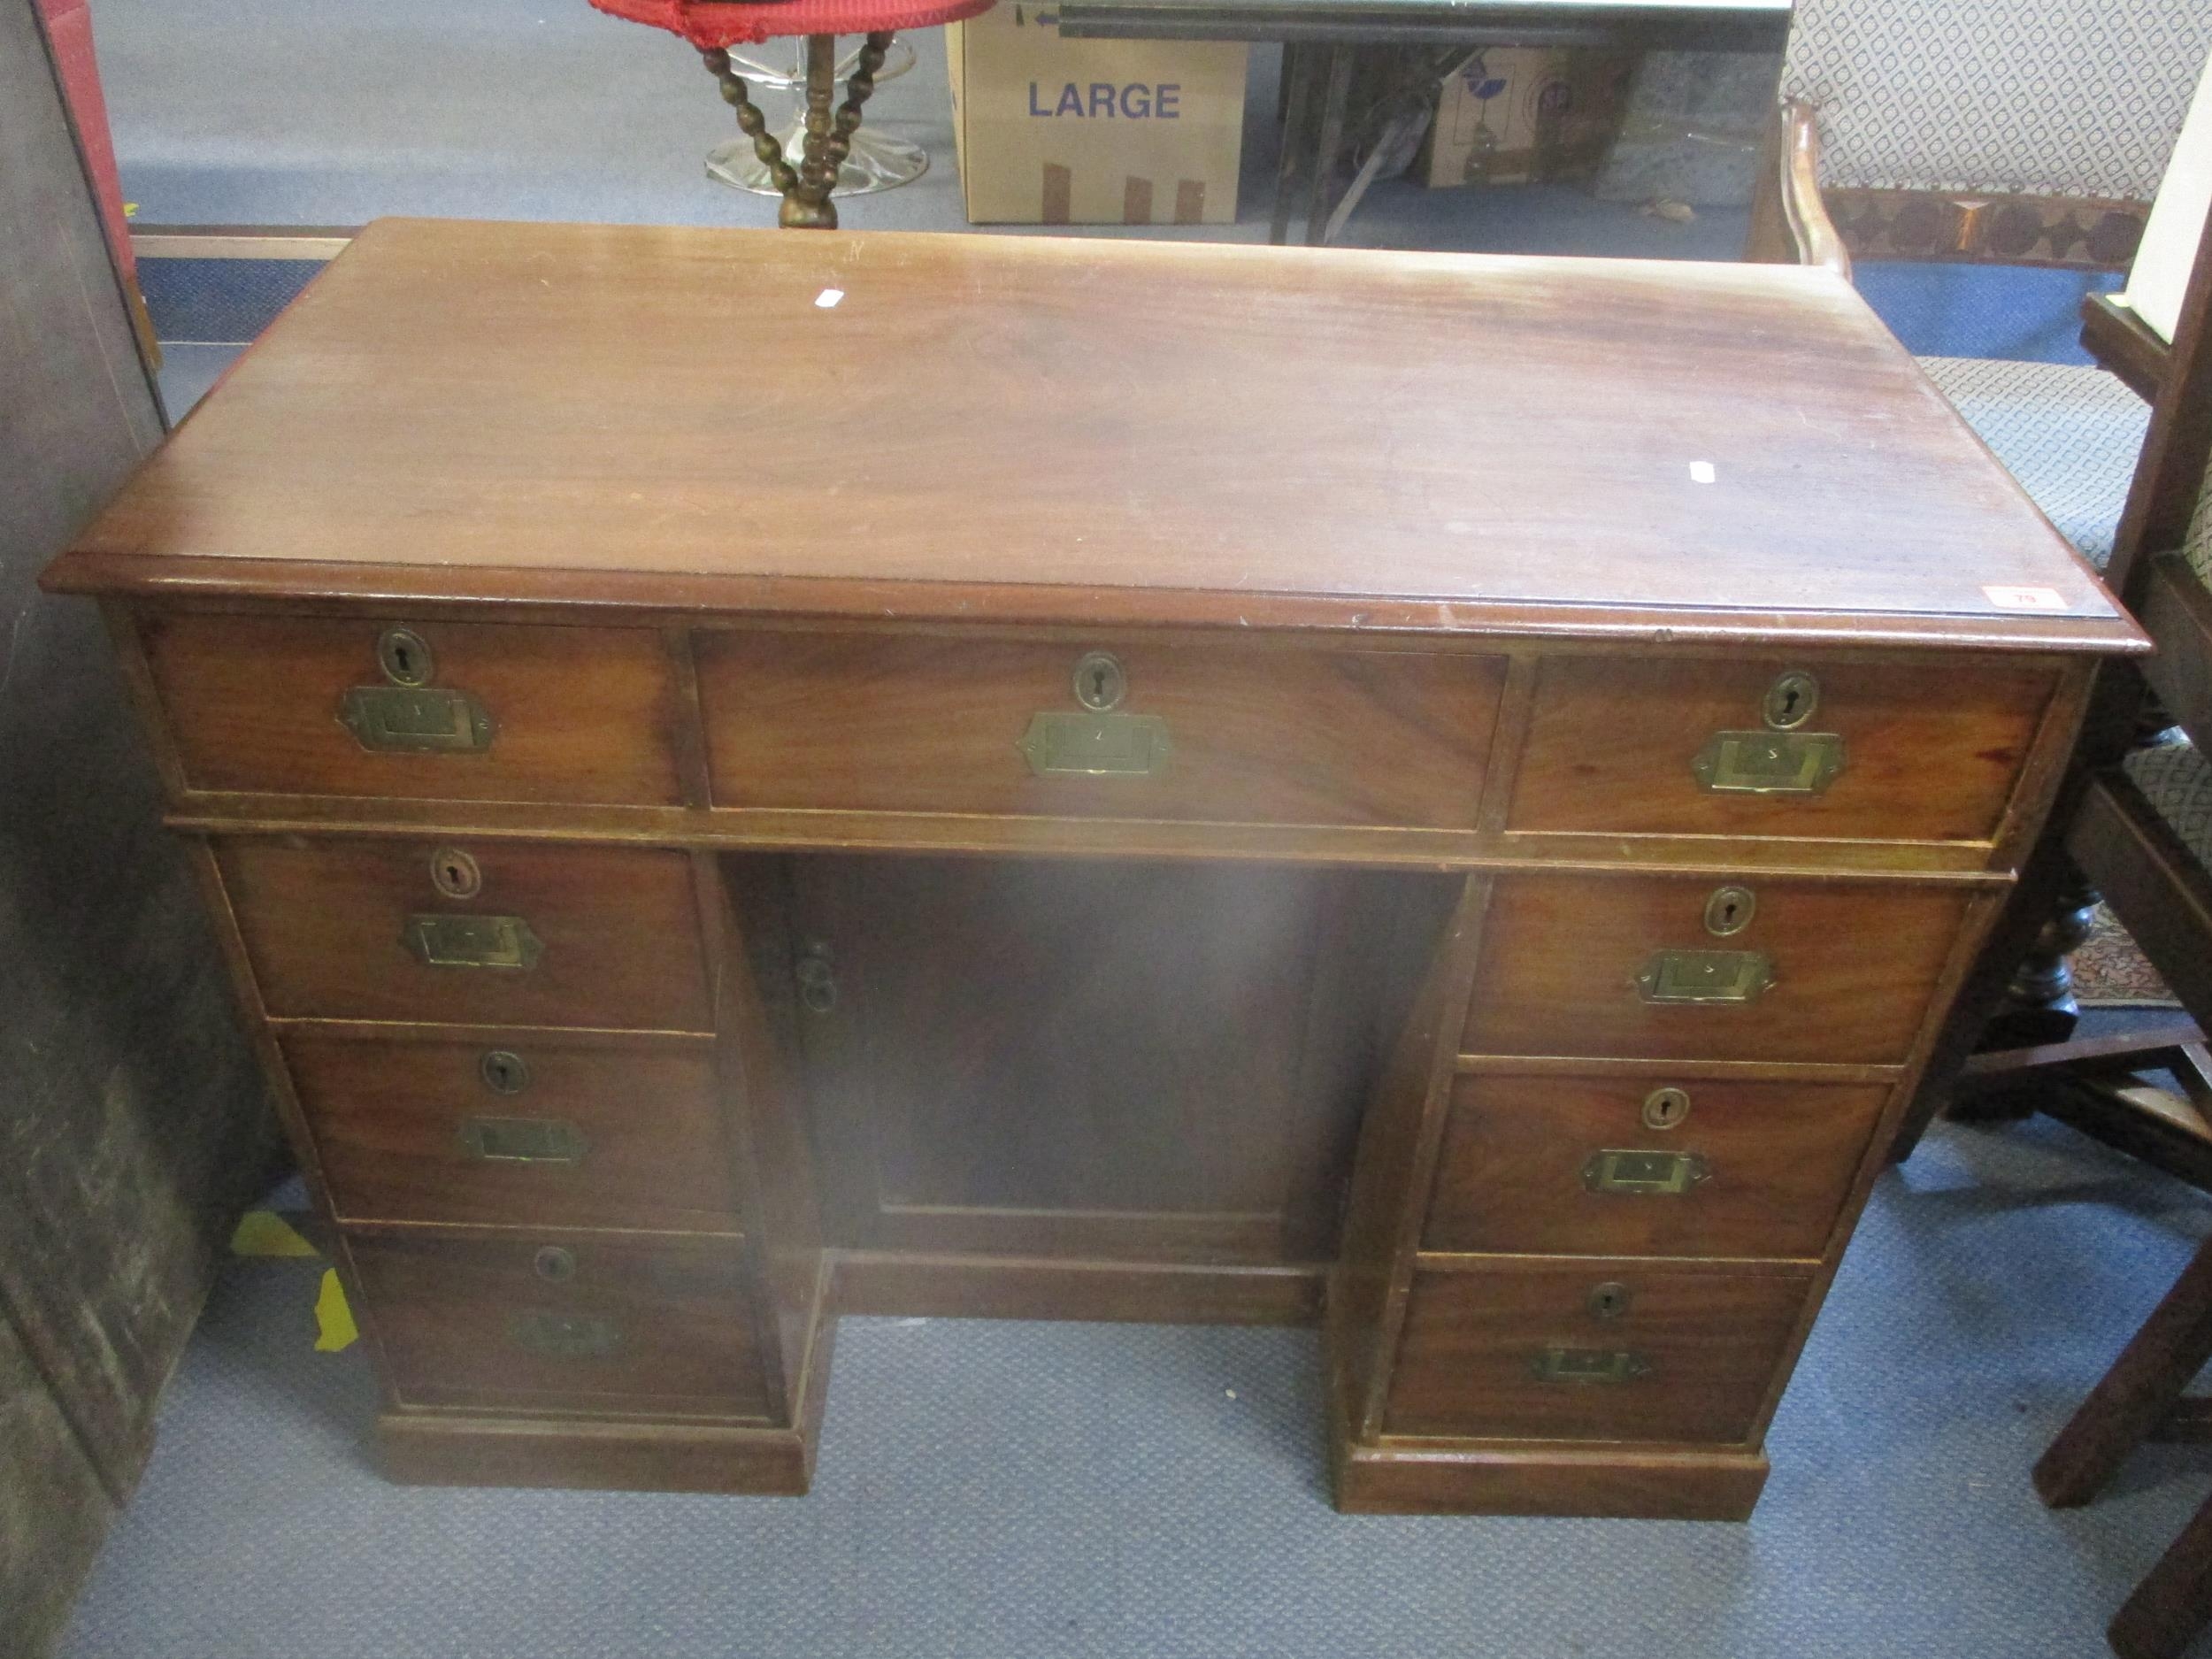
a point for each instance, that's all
(1018, 1490)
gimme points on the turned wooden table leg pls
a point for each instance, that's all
(2039, 1005)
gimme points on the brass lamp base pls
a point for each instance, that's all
(806, 188)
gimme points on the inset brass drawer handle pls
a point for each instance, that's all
(1768, 762)
(522, 1139)
(1100, 743)
(471, 941)
(406, 715)
(1096, 745)
(416, 719)
(1590, 1365)
(1706, 976)
(564, 1335)
(1631, 1170)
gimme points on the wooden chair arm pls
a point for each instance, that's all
(1811, 230)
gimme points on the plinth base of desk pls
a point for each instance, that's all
(1613, 1481)
(443, 1451)
(440, 1449)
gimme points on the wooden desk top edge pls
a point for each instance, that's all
(122, 553)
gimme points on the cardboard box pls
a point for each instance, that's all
(1526, 114)
(1059, 132)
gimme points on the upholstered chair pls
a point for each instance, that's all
(2018, 132)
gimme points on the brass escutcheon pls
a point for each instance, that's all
(1610, 1301)
(1663, 1107)
(555, 1265)
(818, 979)
(1729, 911)
(504, 1072)
(1789, 701)
(1100, 682)
(404, 657)
(454, 873)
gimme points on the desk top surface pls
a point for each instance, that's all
(1092, 431)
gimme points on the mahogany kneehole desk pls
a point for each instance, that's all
(1441, 797)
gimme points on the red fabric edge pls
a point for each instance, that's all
(708, 24)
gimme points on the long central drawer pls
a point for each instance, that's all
(1226, 732)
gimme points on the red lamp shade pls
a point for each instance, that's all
(708, 24)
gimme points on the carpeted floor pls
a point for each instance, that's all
(1002, 1491)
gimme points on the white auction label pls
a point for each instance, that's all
(2026, 598)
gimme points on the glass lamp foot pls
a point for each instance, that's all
(875, 162)
(792, 76)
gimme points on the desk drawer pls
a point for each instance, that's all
(1616, 746)
(563, 1322)
(1631, 967)
(455, 712)
(519, 1128)
(1223, 732)
(1591, 1351)
(345, 929)
(1531, 1165)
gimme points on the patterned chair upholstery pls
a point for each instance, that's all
(2029, 131)
(2173, 774)
(2033, 97)
(2069, 434)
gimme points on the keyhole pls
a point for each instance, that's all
(503, 1072)
(1790, 700)
(404, 657)
(556, 1265)
(1608, 1301)
(1663, 1107)
(455, 874)
(1729, 911)
(1099, 683)
(818, 979)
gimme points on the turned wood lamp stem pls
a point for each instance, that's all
(806, 188)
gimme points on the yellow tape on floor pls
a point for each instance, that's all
(333, 1320)
(265, 1232)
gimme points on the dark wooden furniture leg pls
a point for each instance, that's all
(1297, 109)
(2039, 1006)
(2137, 1395)
(1328, 144)
(2042, 879)
(2169, 1608)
